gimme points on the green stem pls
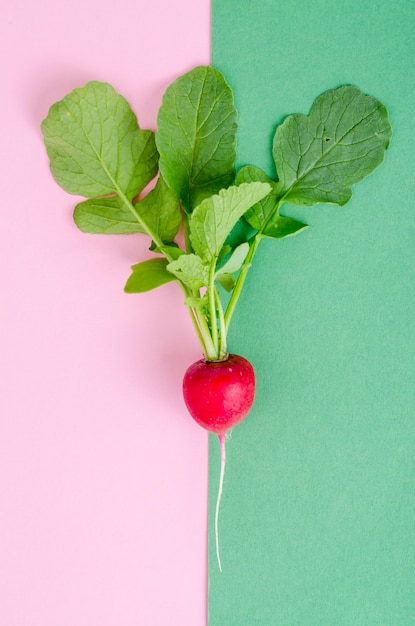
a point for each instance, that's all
(200, 324)
(208, 345)
(247, 264)
(143, 224)
(203, 339)
(208, 337)
(188, 244)
(198, 319)
(222, 326)
(212, 308)
(241, 280)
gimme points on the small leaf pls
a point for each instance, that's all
(148, 275)
(196, 135)
(190, 269)
(226, 280)
(95, 145)
(319, 156)
(213, 220)
(172, 251)
(281, 227)
(225, 252)
(264, 215)
(107, 216)
(263, 211)
(241, 233)
(197, 302)
(160, 210)
(235, 262)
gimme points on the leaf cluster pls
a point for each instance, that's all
(97, 150)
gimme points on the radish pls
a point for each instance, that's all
(219, 395)
(97, 150)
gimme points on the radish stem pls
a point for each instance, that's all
(241, 279)
(222, 325)
(212, 308)
(222, 439)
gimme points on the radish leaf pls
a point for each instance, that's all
(264, 215)
(95, 145)
(213, 220)
(196, 135)
(97, 150)
(319, 156)
(107, 216)
(190, 269)
(169, 250)
(226, 280)
(160, 210)
(281, 227)
(235, 262)
(148, 275)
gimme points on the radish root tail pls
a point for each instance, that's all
(222, 439)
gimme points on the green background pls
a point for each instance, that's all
(318, 512)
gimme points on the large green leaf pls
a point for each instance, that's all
(196, 135)
(95, 145)
(213, 220)
(148, 275)
(264, 215)
(160, 210)
(105, 216)
(319, 156)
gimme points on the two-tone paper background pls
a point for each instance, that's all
(103, 477)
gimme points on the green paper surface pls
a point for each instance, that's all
(318, 508)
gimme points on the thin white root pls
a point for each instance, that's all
(222, 439)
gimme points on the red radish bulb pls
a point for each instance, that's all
(219, 394)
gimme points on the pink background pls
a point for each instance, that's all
(103, 477)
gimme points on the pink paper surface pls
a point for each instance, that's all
(103, 476)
